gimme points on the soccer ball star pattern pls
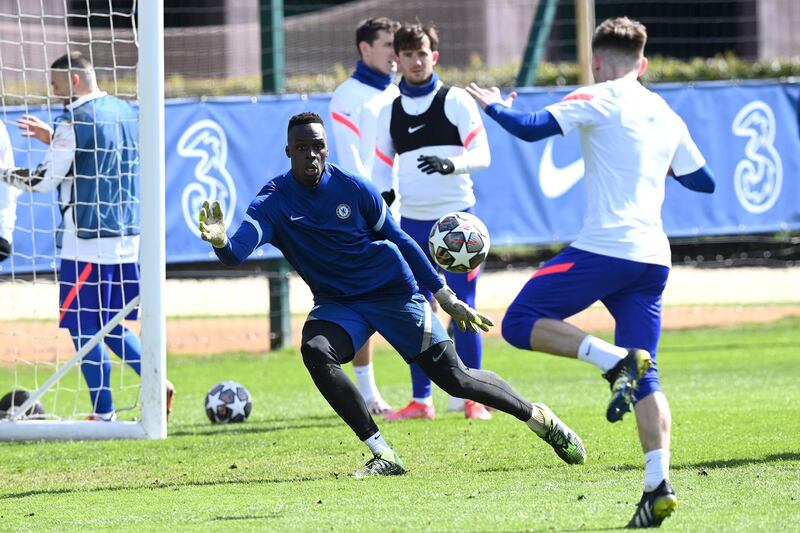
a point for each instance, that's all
(459, 242)
(228, 401)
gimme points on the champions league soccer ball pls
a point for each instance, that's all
(459, 242)
(228, 402)
(15, 398)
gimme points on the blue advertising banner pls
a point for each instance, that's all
(226, 149)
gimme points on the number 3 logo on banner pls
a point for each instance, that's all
(758, 177)
(206, 141)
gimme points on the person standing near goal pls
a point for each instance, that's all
(93, 162)
(335, 230)
(355, 106)
(438, 133)
(8, 197)
(630, 140)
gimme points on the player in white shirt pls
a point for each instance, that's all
(92, 161)
(355, 106)
(8, 197)
(631, 141)
(438, 134)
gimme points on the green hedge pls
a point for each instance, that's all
(725, 67)
(550, 74)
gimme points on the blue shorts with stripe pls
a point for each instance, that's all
(575, 279)
(406, 322)
(90, 294)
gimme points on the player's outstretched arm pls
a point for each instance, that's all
(464, 315)
(487, 97)
(230, 252)
(527, 126)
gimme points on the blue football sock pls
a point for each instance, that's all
(96, 369)
(126, 345)
(420, 382)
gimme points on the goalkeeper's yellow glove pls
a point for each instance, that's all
(212, 225)
(464, 315)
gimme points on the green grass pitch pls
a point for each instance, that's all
(736, 459)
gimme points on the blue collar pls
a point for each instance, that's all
(413, 91)
(372, 77)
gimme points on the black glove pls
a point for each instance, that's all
(388, 197)
(430, 164)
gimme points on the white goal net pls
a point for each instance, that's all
(81, 218)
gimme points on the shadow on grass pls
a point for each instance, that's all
(176, 485)
(267, 426)
(612, 528)
(726, 463)
(755, 346)
(273, 516)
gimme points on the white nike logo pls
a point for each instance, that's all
(292, 218)
(556, 181)
(438, 356)
(415, 128)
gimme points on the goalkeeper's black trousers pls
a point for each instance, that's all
(326, 346)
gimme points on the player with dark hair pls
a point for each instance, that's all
(355, 106)
(93, 161)
(334, 228)
(631, 140)
(437, 131)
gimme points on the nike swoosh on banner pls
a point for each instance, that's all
(415, 128)
(556, 181)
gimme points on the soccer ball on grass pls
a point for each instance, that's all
(228, 401)
(459, 242)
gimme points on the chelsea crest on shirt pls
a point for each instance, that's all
(343, 211)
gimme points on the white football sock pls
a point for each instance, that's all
(365, 379)
(656, 468)
(377, 444)
(600, 353)
(426, 401)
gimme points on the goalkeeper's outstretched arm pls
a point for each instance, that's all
(464, 316)
(235, 250)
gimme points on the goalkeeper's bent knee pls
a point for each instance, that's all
(317, 353)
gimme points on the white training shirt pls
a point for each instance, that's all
(57, 164)
(8, 194)
(429, 196)
(629, 140)
(354, 108)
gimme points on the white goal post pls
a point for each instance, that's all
(150, 391)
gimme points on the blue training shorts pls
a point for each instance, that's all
(407, 322)
(575, 279)
(90, 294)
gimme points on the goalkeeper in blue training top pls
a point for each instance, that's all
(332, 226)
